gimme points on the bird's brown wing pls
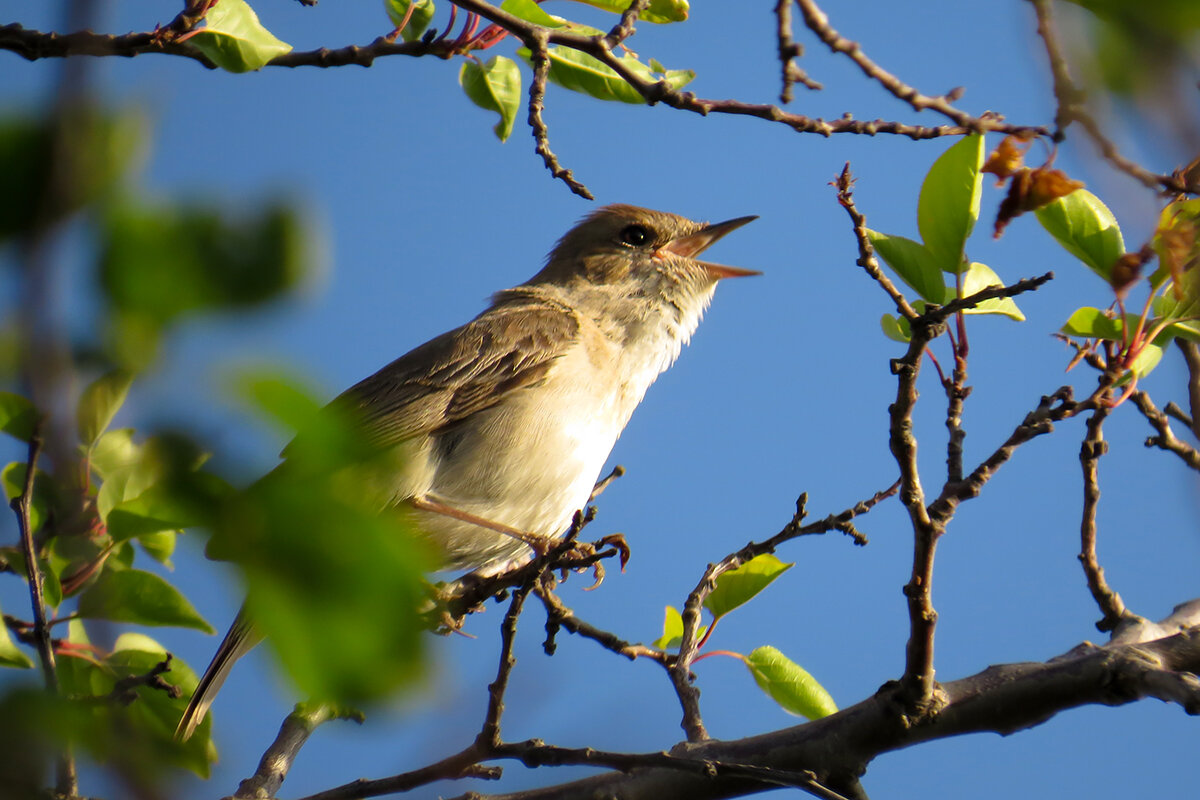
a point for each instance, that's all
(465, 370)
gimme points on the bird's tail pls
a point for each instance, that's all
(241, 639)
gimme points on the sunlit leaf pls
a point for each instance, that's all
(100, 402)
(658, 10)
(494, 86)
(979, 277)
(1092, 323)
(672, 633)
(13, 477)
(1177, 243)
(235, 40)
(737, 587)
(10, 654)
(789, 684)
(139, 597)
(949, 203)
(913, 263)
(896, 328)
(418, 20)
(1084, 226)
(582, 73)
(160, 545)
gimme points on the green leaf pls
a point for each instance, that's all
(949, 203)
(979, 277)
(914, 264)
(1144, 362)
(672, 633)
(1092, 323)
(10, 654)
(13, 478)
(1085, 227)
(494, 86)
(788, 684)
(737, 587)
(422, 15)
(52, 591)
(530, 11)
(896, 328)
(160, 546)
(659, 11)
(100, 402)
(235, 40)
(97, 151)
(159, 508)
(218, 261)
(143, 598)
(581, 73)
(18, 417)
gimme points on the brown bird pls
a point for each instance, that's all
(504, 424)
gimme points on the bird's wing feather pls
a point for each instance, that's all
(507, 348)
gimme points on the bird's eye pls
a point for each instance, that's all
(635, 235)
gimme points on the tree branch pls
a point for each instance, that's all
(1166, 439)
(1090, 451)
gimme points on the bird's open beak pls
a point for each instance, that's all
(696, 243)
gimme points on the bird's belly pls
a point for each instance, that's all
(528, 463)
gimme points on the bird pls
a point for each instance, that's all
(502, 425)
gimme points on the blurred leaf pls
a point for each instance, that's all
(581, 73)
(913, 263)
(159, 508)
(215, 263)
(1085, 227)
(422, 15)
(658, 11)
(979, 277)
(10, 654)
(94, 150)
(494, 86)
(139, 597)
(1145, 361)
(335, 580)
(235, 40)
(1007, 158)
(737, 587)
(788, 684)
(100, 402)
(13, 478)
(160, 546)
(672, 633)
(949, 203)
(896, 328)
(18, 417)
(1177, 243)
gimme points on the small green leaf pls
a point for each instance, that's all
(913, 262)
(530, 11)
(672, 633)
(1085, 227)
(949, 203)
(494, 86)
(422, 15)
(659, 11)
(1092, 323)
(235, 40)
(10, 654)
(896, 328)
(1145, 361)
(100, 402)
(160, 546)
(18, 417)
(789, 684)
(157, 509)
(143, 598)
(737, 587)
(13, 478)
(581, 73)
(979, 277)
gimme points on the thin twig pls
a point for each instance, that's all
(789, 49)
(1070, 108)
(537, 95)
(1093, 447)
(1166, 439)
(1191, 357)
(558, 615)
(866, 253)
(818, 23)
(625, 27)
(22, 506)
(489, 734)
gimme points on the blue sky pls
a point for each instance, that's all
(420, 213)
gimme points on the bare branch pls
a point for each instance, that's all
(1090, 451)
(789, 49)
(277, 761)
(1166, 439)
(866, 253)
(537, 96)
(1191, 357)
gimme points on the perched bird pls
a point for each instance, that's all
(503, 425)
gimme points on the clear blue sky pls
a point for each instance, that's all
(423, 214)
